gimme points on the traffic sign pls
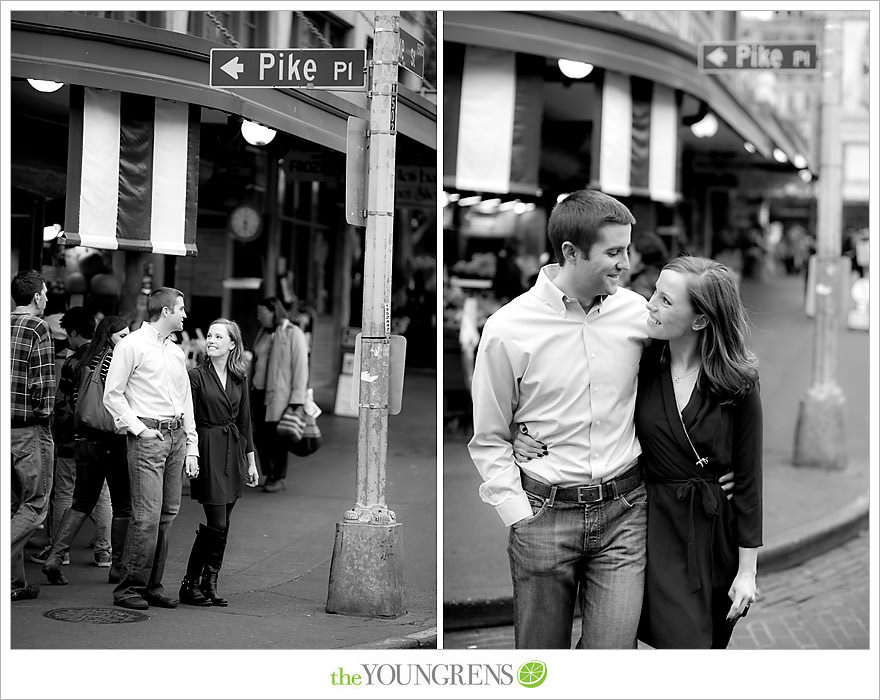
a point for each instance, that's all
(412, 53)
(723, 56)
(323, 69)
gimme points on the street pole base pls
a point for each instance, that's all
(366, 572)
(820, 435)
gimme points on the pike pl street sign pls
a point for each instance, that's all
(724, 56)
(323, 69)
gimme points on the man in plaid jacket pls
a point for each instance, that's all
(30, 436)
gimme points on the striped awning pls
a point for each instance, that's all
(133, 168)
(493, 104)
(637, 139)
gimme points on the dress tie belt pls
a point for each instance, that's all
(230, 430)
(687, 490)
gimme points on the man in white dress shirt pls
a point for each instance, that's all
(148, 394)
(561, 362)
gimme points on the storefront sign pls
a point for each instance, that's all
(718, 57)
(416, 186)
(327, 69)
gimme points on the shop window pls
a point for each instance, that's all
(309, 28)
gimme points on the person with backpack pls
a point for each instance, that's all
(99, 452)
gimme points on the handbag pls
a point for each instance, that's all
(299, 428)
(90, 409)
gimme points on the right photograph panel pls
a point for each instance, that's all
(655, 329)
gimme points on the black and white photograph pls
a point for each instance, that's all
(221, 249)
(656, 329)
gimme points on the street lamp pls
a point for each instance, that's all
(574, 69)
(45, 85)
(256, 134)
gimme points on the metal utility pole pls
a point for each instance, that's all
(819, 433)
(366, 572)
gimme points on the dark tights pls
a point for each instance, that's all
(218, 516)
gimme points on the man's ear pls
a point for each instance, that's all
(700, 322)
(569, 251)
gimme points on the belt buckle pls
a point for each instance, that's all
(582, 489)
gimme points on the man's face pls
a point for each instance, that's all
(176, 315)
(41, 299)
(599, 274)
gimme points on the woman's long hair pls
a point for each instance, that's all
(101, 340)
(276, 307)
(235, 363)
(728, 366)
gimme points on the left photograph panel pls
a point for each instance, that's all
(222, 250)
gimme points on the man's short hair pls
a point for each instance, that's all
(578, 218)
(77, 320)
(24, 285)
(159, 299)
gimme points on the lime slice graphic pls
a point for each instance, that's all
(531, 674)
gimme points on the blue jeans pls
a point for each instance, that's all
(593, 553)
(33, 456)
(155, 472)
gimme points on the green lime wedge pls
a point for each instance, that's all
(532, 673)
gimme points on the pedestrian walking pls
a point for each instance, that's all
(562, 360)
(148, 394)
(280, 379)
(221, 407)
(32, 384)
(698, 415)
(99, 455)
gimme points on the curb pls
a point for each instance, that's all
(794, 548)
(426, 639)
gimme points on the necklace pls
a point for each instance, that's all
(686, 374)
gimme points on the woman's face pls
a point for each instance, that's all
(119, 335)
(218, 343)
(670, 313)
(265, 317)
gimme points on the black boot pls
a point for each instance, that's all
(214, 549)
(189, 592)
(118, 532)
(70, 525)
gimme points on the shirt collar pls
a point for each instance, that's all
(154, 333)
(546, 288)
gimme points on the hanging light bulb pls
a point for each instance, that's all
(799, 161)
(45, 85)
(706, 128)
(779, 155)
(749, 146)
(256, 134)
(574, 69)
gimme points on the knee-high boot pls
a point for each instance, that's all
(118, 532)
(190, 593)
(215, 547)
(70, 525)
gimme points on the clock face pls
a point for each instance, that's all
(245, 221)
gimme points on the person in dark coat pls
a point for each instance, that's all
(699, 415)
(226, 448)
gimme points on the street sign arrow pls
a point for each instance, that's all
(232, 68)
(718, 56)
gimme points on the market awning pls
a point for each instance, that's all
(492, 120)
(133, 167)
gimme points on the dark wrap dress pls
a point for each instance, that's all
(223, 423)
(693, 530)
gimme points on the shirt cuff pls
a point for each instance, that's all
(514, 509)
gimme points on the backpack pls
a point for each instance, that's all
(90, 409)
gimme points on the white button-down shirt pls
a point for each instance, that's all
(148, 378)
(570, 377)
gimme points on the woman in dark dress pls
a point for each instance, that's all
(226, 456)
(698, 416)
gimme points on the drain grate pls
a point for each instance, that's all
(96, 616)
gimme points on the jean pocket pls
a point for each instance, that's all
(539, 507)
(636, 497)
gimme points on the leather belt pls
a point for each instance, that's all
(164, 424)
(591, 493)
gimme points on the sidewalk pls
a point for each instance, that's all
(806, 510)
(277, 565)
